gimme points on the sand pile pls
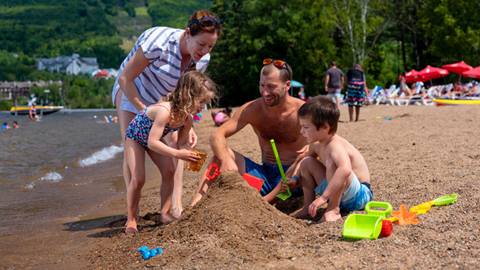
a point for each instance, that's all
(232, 225)
(233, 222)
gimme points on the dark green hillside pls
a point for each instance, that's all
(174, 13)
(105, 29)
(46, 28)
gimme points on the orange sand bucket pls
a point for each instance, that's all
(195, 166)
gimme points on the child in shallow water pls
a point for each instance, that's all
(146, 133)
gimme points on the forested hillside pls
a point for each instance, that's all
(49, 28)
(105, 29)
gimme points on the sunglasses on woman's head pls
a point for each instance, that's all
(280, 64)
(206, 21)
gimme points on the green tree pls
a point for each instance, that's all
(452, 31)
(296, 31)
(361, 22)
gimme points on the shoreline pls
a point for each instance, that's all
(69, 238)
(74, 110)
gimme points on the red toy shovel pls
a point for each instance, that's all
(253, 181)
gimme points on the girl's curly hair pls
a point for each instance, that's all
(193, 88)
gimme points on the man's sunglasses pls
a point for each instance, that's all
(280, 64)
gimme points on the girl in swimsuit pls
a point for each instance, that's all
(146, 133)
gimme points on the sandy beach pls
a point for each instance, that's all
(414, 153)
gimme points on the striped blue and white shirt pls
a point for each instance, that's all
(161, 46)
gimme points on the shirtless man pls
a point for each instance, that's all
(272, 116)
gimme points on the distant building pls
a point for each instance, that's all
(68, 64)
(11, 90)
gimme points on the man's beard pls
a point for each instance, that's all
(275, 100)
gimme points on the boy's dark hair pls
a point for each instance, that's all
(321, 110)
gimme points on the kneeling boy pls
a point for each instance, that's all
(333, 168)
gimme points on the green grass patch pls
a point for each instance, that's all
(141, 11)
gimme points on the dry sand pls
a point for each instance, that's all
(420, 154)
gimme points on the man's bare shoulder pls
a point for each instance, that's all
(250, 109)
(296, 102)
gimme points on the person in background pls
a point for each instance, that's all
(404, 89)
(473, 90)
(15, 124)
(458, 89)
(301, 94)
(5, 126)
(32, 113)
(419, 88)
(221, 116)
(107, 119)
(334, 81)
(151, 71)
(356, 91)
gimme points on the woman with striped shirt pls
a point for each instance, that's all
(151, 71)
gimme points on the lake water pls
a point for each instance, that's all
(56, 168)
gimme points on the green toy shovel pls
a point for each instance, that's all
(287, 194)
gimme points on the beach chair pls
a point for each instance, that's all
(392, 95)
(375, 95)
(388, 96)
(419, 97)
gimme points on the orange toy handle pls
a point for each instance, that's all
(212, 172)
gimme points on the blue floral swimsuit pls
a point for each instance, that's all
(140, 127)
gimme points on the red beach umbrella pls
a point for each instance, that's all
(458, 67)
(472, 73)
(430, 73)
(412, 76)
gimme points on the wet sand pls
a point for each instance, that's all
(414, 153)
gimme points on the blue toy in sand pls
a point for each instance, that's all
(148, 253)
